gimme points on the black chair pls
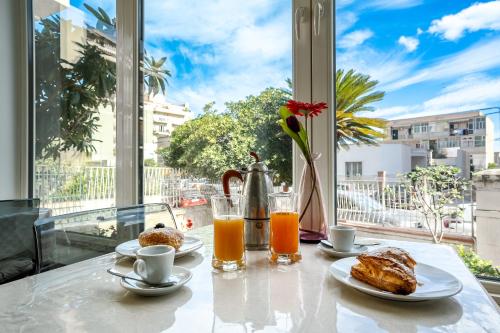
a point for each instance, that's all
(17, 241)
(70, 238)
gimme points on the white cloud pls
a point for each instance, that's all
(392, 4)
(344, 21)
(471, 92)
(409, 43)
(478, 57)
(343, 3)
(386, 67)
(202, 22)
(479, 16)
(355, 38)
(234, 48)
(419, 31)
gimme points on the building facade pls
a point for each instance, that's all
(449, 138)
(160, 117)
(366, 162)
(160, 120)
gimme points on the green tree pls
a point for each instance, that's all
(67, 94)
(208, 145)
(433, 190)
(259, 118)
(214, 142)
(354, 93)
(155, 74)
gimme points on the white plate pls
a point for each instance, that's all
(356, 250)
(432, 282)
(129, 248)
(179, 274)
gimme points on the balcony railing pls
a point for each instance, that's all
(392, 205)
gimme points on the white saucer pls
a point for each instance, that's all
(355, 251)
(432, 282)
(179, 274)
(129, 248)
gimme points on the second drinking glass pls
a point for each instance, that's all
(229, 242)
(284, 228)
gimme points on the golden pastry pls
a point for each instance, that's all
(161, 235)
(390, 269)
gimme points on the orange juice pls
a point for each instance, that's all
(229, 242)
(284, 232)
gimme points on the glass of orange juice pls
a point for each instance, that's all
(229, 242)
(284, 228)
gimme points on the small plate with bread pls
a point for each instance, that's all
(391, 273)
(160, 235)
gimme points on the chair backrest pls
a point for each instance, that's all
(17, 242)
(70, 238)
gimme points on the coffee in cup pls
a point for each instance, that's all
(342, 237)
(154, 263)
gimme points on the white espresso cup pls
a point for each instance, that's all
(154, 263)
(342, 237)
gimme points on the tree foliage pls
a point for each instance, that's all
(214, 142)
(476, 264)
(354, 94)
(434, 189)
(68, 94)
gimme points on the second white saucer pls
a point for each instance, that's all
(180, 275)
(357, 250)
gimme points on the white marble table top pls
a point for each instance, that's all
(265, 298)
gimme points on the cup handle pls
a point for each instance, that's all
(140, 268)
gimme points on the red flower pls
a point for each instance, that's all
(305, 109)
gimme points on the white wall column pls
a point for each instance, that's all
(14, 99)
(487, 185)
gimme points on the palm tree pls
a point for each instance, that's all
(155, 75)
(354, 91)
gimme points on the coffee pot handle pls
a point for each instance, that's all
(226, 177)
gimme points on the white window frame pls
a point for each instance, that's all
(313, 77)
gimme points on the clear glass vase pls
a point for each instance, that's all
(313, 223)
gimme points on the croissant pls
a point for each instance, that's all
(161, 236)
(389, 268)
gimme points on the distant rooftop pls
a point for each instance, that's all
(440, 117)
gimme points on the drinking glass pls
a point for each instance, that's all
(229, 243)
(284, 229)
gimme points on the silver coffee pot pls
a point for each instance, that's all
(257, 184)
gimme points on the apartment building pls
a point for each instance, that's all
(160, 120)
(464, 139)
(160, 117)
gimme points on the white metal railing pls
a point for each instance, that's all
(67, 189)
(392, 204)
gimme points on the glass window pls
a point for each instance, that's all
(353, 169)
(418, 76)
(75, 85)
(479, 141)
(480, 123)
(216, 82)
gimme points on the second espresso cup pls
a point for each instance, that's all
(154, 263)
(342, 237)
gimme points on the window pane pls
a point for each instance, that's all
(425, 117)
(75, 85)
(215, 76)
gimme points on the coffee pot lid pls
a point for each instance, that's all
(257, 165)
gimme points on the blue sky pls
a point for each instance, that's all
(430, 56)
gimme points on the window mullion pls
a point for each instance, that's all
(127, 95)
